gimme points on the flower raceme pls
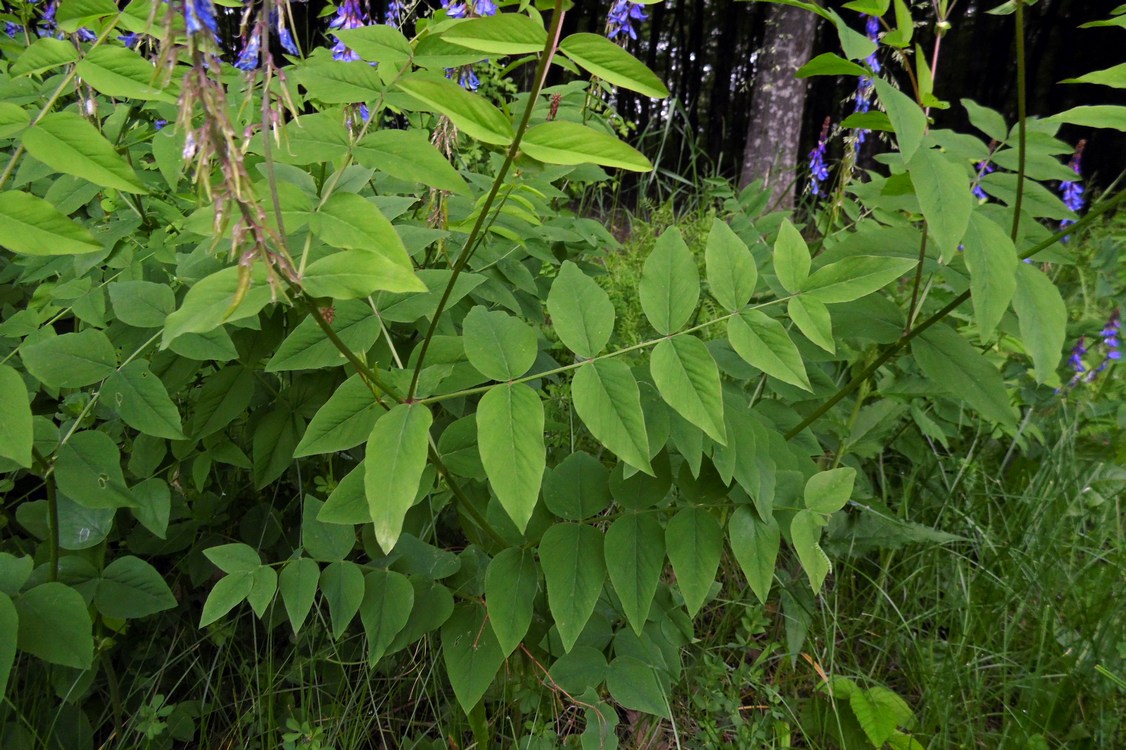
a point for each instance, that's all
(819, 171)
(620, 20)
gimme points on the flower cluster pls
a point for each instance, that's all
(983, 168)
(620, 20)
(469, 8)
(200, 16)
(12, 29)
(394, 14)
(350, 15)
(1071, 190)
(285, 38)
(1109, 341)
(248, 58)
(865, 87)
(819, 171)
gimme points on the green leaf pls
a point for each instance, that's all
(471, 114)
(988, 121)
(1094, 116)
(829, 64)
(228, 592)
(378, 43)
(395, 457)
(408, 155)
(131, 588)
(307, 348)
(340, 82)
(574, 570)
(471, 653)
(298, 585)
(71, 145)
(943, 190)
(635, 557)
(511, 585)
(275, 437)
(122, 73)
(144, 304)
(791, 257)
(755, 546)
(636, 686)
(764, 343)
(670, 284)
(342, 584)
(14, 572)
(581, 668)
(347, 505)
(565, 142)
(142, 401)
(992, 261)
(1114, 77)
(854, 277)
(732, 274)
(55, 626)
(906, 117)
(577, 488)
(15, 419)
(581, 311)
(828, 491)
(73, 14)
(343, 422)
(687, 378)
(510, 427)
(610, 62)
(500, 346)
(31, 225)
(812, 319)
(43, 55)
(9, 628)
(879, 711)
(88, 471)
(387, 602)
(325, 541)
(262, 590)
(13, 119)
(222, 399)
(350, 221)
(72, 360)
(355, 274)
(805, 533)
(212, 301)
(608, 401)
(1043, 321)
(960, 370)
(234, 558)
(694, 541)
(312, 139)
(502, 34)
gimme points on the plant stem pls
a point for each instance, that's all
(1022, 114)
(912, 311)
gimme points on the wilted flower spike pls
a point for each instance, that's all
(819, 171)
(200, 16)
(621, 19)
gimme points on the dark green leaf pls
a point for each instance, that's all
(581, 311)
(960, 370)
(511, 585)
(670, 284)
(499, 345)
(575, 571)
(395, 457)
(688, 380)
(15, 419)
(635, 685)
(131, 588)
(142, 401)
(510, 426)
(387, 602)
(1043, 321)
(755, 545)
(298, 586)
(88, 471)
(694, 541)
(577, 488)
(471, 653)
(609, 403)
(342, 584)
(55, 626)
(635, 558)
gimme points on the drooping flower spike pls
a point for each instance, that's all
(1072, 190)
(622, 17)
(819, 171)
(199, 15)
(864, 87)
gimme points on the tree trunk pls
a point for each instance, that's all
(778, 103)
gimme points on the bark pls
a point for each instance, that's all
(778, 103)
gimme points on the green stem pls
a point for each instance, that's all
(912, 310)
(1022, 115)
(475, 233)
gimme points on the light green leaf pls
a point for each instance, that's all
(499, 345)
(388, 599)
(755, 546)
(350, 221)
(829, 64)
(343, 422)
(694, 541)
(31, 225)
(636, 686)
(1094, 116)
(511, 585)
(764, 343)
(15, 419)
(906, 117)
(502, 34)
(88, 471)
(670, 284)
(13, 119)
(510, 427)
(943, 190)
(565, 142)
(608, 401)
(312, 139)
(988, 121)
(120, 72)
(879, 711)
(471, 114)
(275, 436)
(347, 505)
(340, 82)
(132, 588)
(395, 457)
(55, 626)
(209, 303)
(1114, 77)
(234, 558)
(574, 570)
(791, 257)
(812, 318)
(342, 584)
(144, 304)
(73, 14)
(228, 592)
(325, 541)
(732, 274)
(71, 145)
(581, 311)
(828, 491)
(992, 261)
(262, 590)
(610, 62)
(960, 370)
(355, 274)
(805, 532)
(471, 653)
(43, 55)
(854, 277)
(408, 155)
(307, 348)
(687, 378)
(72, 360)
(298, 585)
(378, 43)
(635, 557)
(1043, 321)
(142, 401)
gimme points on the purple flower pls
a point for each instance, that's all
(983, 168)
(1111, 342)
(46, 25)
(200, 16)
(819, 171)
(454, 10)
(11, 29)
(1071, 190)
(285, 38)
(621, 19)
(159, 124)
(130, 39)
(248, 58)
(469, 8)
(394, 14)
(865, 87)
(468, 78)
(348, 16)
(1076, 359)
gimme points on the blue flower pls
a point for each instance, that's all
(1071, 190)
(621, 19)
(865, 87)
(1111, 342)
(348, 16)
(454, 10)
(200, 16)
(159, 124)
(11, 29)
(394, 14)
(819, 171)
(983, 168)
(129, 40)
(248, 58)
(469, 8)
(285, 38)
